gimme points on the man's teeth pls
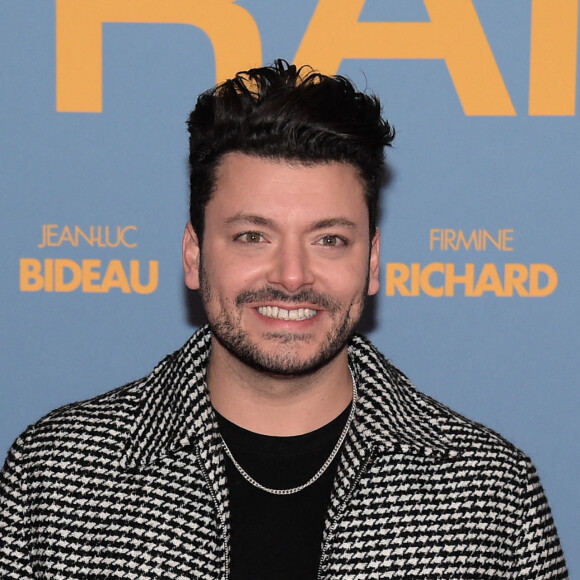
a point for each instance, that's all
(283, 314)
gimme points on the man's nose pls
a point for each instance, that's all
(291, 267)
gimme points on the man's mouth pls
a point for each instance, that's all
(283, 314)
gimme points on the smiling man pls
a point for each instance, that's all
(277, 443)
(286, 264)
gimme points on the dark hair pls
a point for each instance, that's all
(281, 112)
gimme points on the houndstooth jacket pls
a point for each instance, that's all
(132, 485)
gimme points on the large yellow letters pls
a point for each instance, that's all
(231, 29)
(553, 59)
(453, 34)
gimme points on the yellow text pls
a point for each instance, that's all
(438, 279)
(453, 33)
(478, 240)
(99, 236)
(64, 275)
(79, 40)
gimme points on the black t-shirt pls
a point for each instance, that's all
(278, 536)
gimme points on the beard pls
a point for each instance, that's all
(281, 360)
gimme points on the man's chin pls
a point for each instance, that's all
(286, 361)
(282, 352)
(289, 338)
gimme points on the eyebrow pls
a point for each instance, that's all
(258, 220)
(250, 218)
(333, 222)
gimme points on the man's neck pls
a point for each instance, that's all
(277, 405)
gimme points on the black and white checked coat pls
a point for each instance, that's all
(132, 485)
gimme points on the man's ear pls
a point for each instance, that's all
(191, 257)
(374, 263)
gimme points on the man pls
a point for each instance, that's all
(276, 443)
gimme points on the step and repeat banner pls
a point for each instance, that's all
(480, 260)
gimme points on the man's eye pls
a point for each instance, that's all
(332, 240)
(250, 238)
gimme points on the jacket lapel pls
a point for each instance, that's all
(176, 414)
(391, 417)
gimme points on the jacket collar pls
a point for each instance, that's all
(174, 409)
(392, 414)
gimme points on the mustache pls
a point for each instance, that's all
(306, 295)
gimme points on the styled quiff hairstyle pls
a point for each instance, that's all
(281, 112)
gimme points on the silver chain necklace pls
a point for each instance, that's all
(317, 475)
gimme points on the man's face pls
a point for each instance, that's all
(286, 262)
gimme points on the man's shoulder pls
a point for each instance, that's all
(468, 437)
(99, 425)
(417, 421)
(126, 423)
